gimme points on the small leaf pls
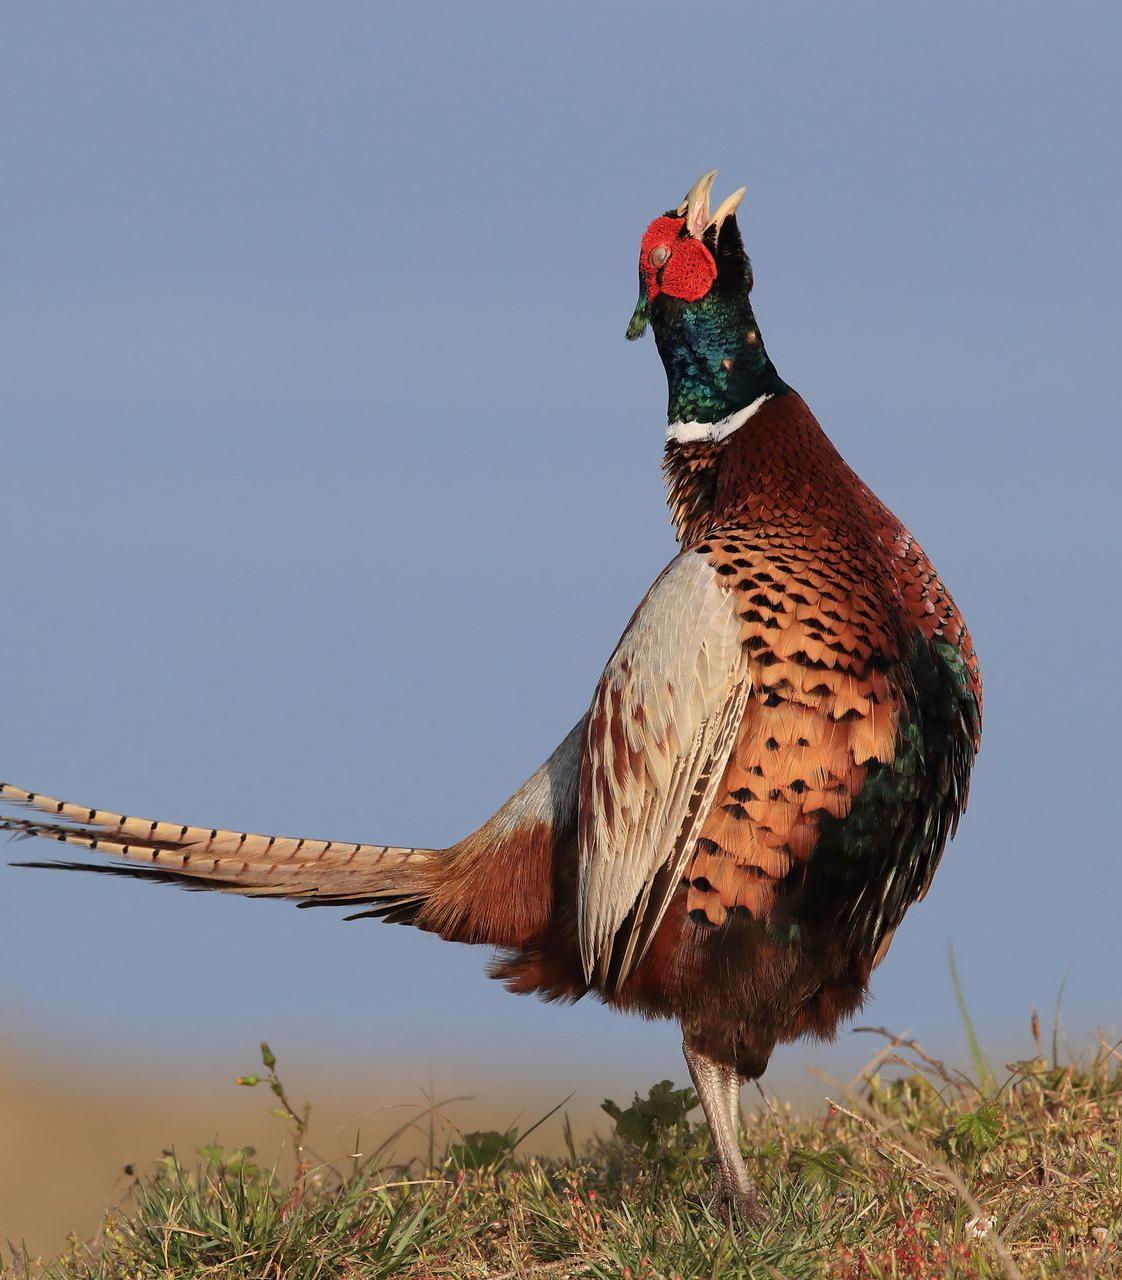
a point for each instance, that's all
(649, 1122)
(482, 1150)
(981, 1128)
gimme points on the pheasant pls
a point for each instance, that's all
(771, 764)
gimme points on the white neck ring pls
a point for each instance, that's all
(714, 432)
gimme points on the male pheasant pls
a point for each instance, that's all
(768, 771)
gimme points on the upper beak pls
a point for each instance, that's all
(695, 207)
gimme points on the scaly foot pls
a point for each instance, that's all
(739, 1205)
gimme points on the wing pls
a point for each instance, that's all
(659, 734)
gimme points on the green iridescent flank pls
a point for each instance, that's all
(714, 356)
(882, 855)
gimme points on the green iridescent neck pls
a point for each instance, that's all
(714, 358)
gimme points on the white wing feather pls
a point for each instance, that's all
(662, 725)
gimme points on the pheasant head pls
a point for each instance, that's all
(694, 284)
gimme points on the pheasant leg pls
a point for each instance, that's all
(718, 1087)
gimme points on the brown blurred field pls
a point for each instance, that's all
(68, 1127)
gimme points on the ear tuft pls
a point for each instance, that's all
(637, 325)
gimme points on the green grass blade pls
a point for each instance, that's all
(983, 1071)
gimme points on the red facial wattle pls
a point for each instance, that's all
(674, 264)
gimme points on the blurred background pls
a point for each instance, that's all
(330, 483)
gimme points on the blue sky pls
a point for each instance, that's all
(330, 480)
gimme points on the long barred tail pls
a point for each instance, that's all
(392, 878)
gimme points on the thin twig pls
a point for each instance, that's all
(544, 1268)
(940, 1068)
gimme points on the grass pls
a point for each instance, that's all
(914, 1170)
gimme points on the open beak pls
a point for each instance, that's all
(695, 207)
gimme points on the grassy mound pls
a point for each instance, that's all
(915, 1171)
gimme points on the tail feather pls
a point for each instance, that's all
(243, 862)
(496, 886)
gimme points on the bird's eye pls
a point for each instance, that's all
(659, 256)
